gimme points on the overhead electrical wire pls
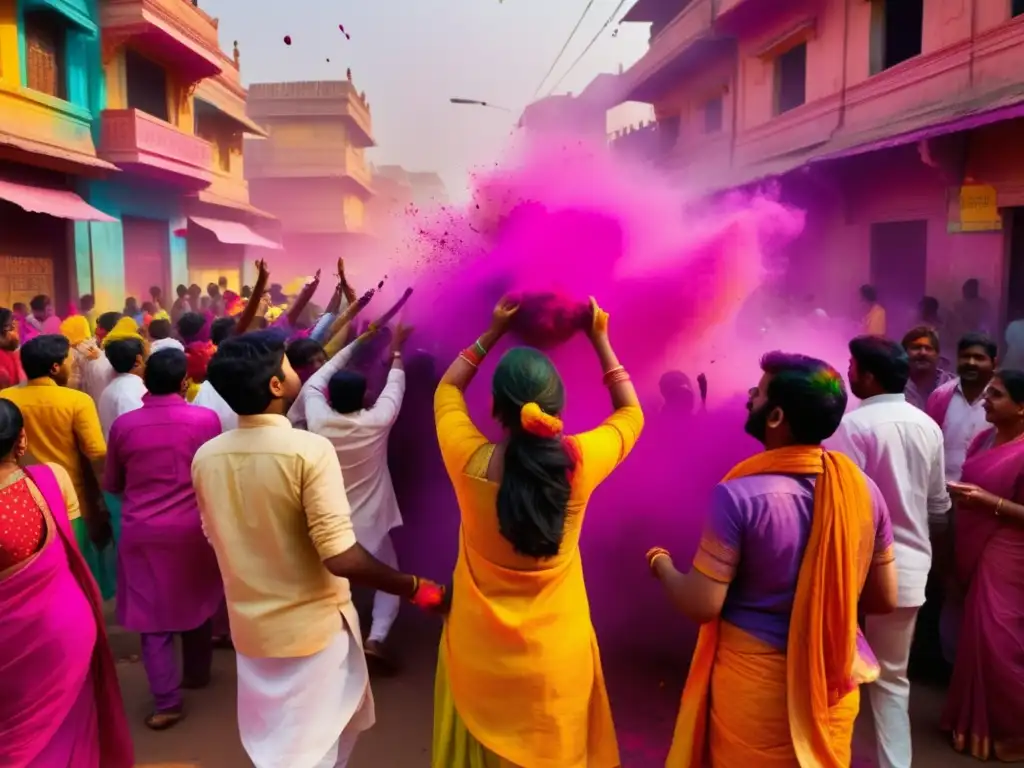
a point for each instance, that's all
(565, 46)
(590, 45)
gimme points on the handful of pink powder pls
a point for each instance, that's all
(546, 320)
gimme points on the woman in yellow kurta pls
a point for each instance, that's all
(519, 680)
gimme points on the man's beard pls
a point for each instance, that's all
(757, 423)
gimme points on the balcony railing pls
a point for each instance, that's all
(652, 142)
(146, 145)
(264, 160)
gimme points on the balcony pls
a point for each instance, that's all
(325, 99)
(51, 132)
(672, 51)
(225, 95)
(147, 146)
(265, 160)
(176, 32)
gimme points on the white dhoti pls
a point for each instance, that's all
(305, 712)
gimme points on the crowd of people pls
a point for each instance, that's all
(220, 466)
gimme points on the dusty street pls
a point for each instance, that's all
(401, 739)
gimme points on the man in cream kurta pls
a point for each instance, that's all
(274, 507)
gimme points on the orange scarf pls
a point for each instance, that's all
(822, 648)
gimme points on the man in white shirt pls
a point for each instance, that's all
(900, 448)
(125, 392)
(333, 403)
(958, 406)
(208, 397)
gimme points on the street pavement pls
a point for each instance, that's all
(208, 737)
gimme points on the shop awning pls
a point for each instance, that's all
(234, 232)
(62, 203)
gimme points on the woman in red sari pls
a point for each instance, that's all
(985, 705)
(60, 703)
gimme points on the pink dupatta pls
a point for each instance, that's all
(52, 643)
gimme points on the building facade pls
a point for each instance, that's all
(311, 172)
(120, 126)
(892, 122)
(48, 104)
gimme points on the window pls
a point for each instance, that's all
(147, 85)
(45, 46)
(791, 79)
(713, 115)
(1017, 8)
(896, 32)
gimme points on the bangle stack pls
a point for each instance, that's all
(475, 354)
(653, 554)
(615, 376)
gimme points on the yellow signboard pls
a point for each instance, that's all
(978, 210)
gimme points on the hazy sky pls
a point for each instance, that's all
(411, 56)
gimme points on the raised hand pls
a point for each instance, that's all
(598, 328)
(503, 314)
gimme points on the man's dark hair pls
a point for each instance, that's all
(108, 320)
(346, 391)
(246, 291)
(242, 368)
(810, 393)
(123, 354)
(222, 329)
(301, 352)
(39, 303)
(182, 291)
(884, 359)
(165, 372)
(921, 332)
(39, 355)
(978, 340)
(159, 329)
(190, 325)
(87, 298)
(868, 293)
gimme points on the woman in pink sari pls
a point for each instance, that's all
(985, 706)
(61, 704)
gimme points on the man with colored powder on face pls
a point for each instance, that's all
(900, 448)
(273, 504)
(922, 348)
(798, 539)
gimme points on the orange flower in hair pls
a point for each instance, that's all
(538, 423)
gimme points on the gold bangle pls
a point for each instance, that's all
(654, 559)
(999, 506)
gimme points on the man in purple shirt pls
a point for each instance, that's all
(166, 569)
